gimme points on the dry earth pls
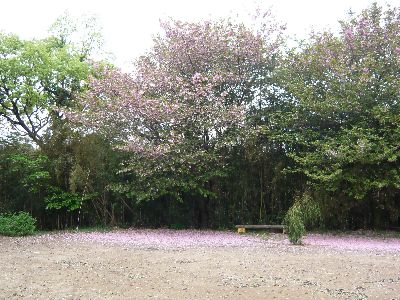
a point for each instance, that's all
(165, 264)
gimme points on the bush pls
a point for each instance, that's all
(305, 211)
(294, 224)
(17, 224)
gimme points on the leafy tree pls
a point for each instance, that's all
(24, 178)
(39, 76)
(83, 36)
(184, 108)
(213, 127)
(342, 129)
(36, 77)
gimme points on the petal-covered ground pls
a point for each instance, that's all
(170, 239)
(154, 238)
(354, 242)
(164, 238)
(193, 264)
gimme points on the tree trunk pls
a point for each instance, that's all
(203, 216)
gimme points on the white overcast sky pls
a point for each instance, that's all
(128, 26)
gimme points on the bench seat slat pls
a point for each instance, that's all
(261, 226)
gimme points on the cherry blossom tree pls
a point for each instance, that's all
(186, 104)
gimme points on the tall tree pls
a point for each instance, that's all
(39, 76)
(185, 106)
(35, 78)
(343, 126)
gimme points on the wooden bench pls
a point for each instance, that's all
(242, 228)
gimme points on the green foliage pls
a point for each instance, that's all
(19, 224)
(31, 170)
(36, 77)
(341, 124)
(351, 104)
(24, 177)
(82, 35)
(177, 226)
(225, 135)
(304, 212)
(295, 224)
(59, 199)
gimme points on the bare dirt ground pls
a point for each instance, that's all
(164, 264)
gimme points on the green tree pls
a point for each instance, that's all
(342, 129)
(36, 77)
(25, 178)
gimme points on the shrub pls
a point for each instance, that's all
(304, 211)
(17, 224)
(295, 225)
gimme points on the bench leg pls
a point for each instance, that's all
(241, 230)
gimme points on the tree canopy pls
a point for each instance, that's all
(218, 123)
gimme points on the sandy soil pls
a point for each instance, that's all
(167, 264)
